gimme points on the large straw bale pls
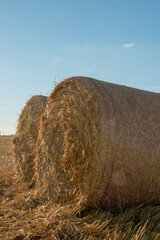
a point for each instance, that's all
(24, 141)
(99, 145)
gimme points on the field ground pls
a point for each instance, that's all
(24, 215)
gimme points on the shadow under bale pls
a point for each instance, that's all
(24, 141)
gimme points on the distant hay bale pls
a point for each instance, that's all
(99, 145)
(24, 141)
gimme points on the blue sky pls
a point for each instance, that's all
(42, 40)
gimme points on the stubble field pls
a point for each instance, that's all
(24, 215)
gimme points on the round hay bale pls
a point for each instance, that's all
(99, 145)
(24, 141)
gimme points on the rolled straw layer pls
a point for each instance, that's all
(99, 145)
(24, 141)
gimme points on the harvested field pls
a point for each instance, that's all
(6, 163)
(24, 141)
(5, 148)
(24, 215)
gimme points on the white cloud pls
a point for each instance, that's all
(3, 109)
(57, 59)
(128, 45)
(7, 130)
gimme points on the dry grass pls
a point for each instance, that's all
(25, 215)
(6, 165)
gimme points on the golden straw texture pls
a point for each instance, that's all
(24, 141)
(99, 145)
